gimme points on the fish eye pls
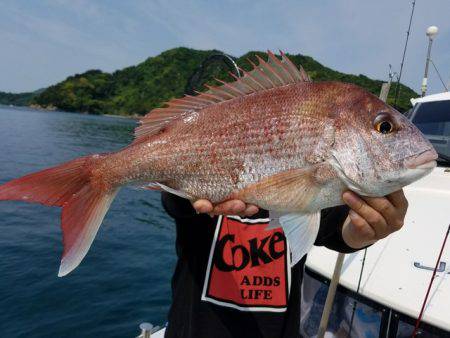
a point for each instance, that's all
(384, 127)
(383, 124)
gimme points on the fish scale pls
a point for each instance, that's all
(244, 136)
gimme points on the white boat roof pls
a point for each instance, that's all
(390, 277)
(429, 98)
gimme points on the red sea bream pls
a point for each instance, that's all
(272, 138)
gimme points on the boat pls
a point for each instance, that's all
(382, 289)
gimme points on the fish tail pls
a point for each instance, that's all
(80, 191)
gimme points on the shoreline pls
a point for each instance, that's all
(54, 109)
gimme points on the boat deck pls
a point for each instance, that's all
(398, 269)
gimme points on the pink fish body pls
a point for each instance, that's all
(272, 138)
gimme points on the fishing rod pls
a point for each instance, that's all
(195, 80)
(419, 319)
(439, 75)
(355, 302)
(397, 87)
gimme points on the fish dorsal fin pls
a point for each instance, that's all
(268, 74)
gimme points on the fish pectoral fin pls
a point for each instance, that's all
(289, 190)
(300, 230)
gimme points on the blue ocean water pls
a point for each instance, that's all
(125, 278)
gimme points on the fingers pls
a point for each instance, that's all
(250, 210)
(392, 207)
(231, 207)
(368, 216)
(358, 233)
(360, 225)
(235, 207)
(392, 216)
(203, 206)
(399, 200)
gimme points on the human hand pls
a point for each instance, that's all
(372, 218)
(230, 207)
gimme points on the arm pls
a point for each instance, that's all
(330, 231)
(371, 218)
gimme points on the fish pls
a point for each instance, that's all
(271, 137)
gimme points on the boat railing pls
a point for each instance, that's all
(147, 329)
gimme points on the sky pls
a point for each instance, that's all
(43, 42)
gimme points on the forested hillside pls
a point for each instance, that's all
(136, 90)
(20, 99)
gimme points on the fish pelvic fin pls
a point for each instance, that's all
(275, 72)
(300, 230)
(84, 201)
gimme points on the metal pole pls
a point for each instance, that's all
(425, 76)
(146, 330)
(330, 296)
(385, 91)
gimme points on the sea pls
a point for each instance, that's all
(125, 278)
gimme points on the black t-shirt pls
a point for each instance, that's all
(233, 278)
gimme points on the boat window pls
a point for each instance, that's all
(370, 319)
(433, 118)
(367, 318)
(408, 113)
(405, 330)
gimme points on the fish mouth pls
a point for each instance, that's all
(425, 160)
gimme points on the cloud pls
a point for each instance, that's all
(43, 42)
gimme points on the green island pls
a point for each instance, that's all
(20, 99)
(137, 89)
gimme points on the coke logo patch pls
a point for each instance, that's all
(248, 267)
(255, 252)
